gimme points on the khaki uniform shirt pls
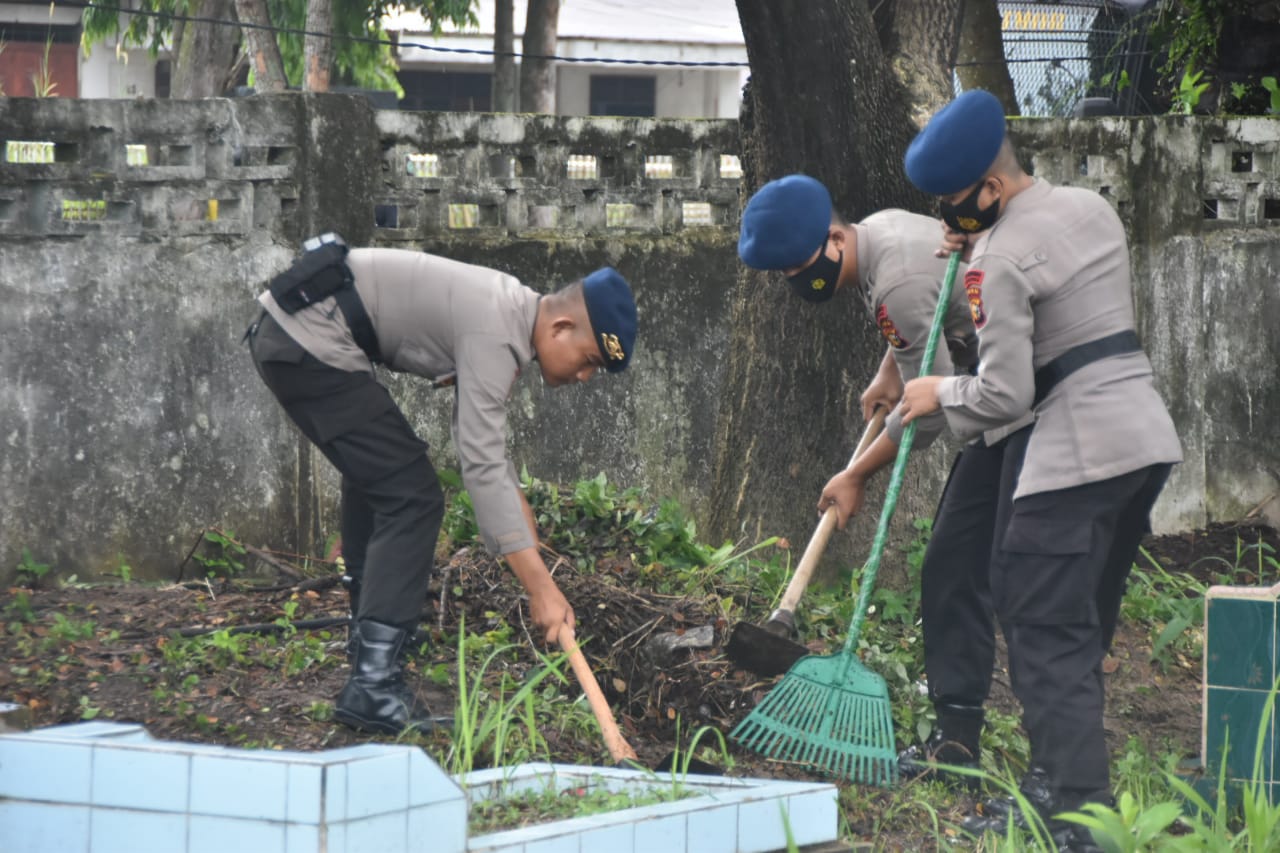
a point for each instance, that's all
(901, 280)
(1051, 274)
(455, 324)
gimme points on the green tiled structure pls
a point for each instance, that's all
(1241, 665)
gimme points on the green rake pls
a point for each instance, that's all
(831, 712)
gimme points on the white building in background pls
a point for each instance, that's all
(42, 56)
(656, 30)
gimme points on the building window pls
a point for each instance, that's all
(622, 96)
(447, 91)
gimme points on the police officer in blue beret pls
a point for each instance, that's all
(889, 260)
(1049, 288)
(324, 324)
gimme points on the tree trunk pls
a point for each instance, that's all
(538, 76)
(921, 40)
(204, 52)
(503, 98)
(317, 50)
(821, 100)
(980, 60)
(264, 53)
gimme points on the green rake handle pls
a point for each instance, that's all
(899, 467)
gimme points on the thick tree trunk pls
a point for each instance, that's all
(204, 52)
(980, 60)
(261, 46)
(921, 42)
(821, 101)
(317, 50)
(503, 99)
(538, 76)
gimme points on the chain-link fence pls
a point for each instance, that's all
(1059, 54)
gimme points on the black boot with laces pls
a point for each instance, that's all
(954, 741)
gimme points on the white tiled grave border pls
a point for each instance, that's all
(103, 787)
(727, 816)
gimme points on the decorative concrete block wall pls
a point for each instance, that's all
(1241, 668)
(134, 235)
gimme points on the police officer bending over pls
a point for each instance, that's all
(325, 323)
(888, 260)
(1049, 284)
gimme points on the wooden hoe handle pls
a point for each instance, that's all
(818, 542)
(613, 739)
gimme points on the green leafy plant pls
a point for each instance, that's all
(542, 805)
(1187, 96)
(88, 710)
(1273, 89)
(487, 723)
(31, 571)
(225, 558)
(42, 82)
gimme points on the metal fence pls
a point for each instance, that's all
(1061, 53)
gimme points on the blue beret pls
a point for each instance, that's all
(785, 222)
(958, 145)
(612, 311)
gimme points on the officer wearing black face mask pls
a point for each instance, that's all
(1053, 306)
(888, 259)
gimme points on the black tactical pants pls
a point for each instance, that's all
(1058, 581)
(392, 503)
(956, 611)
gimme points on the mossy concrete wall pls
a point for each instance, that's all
(131, 418)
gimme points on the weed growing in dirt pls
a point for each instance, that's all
(530, 808)
(30, 570)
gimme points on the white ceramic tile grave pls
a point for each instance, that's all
(102, 787)
(727, 816)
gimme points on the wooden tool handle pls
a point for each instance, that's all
(613, 739)
(818, 542)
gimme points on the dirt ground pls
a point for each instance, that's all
(112, 673)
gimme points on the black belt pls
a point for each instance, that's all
(1077, 357)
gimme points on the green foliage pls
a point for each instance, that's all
(1273, 89)
(362, 54)
(535, 806)
(1187, 97)
(30, 571)
(487, 723)
(67, 631)
(1172, 605)
(224, 559)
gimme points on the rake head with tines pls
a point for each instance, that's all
(830, 712)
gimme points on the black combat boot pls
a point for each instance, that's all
(954, 741)
(353, 594)
(994, 815)
(375, 697)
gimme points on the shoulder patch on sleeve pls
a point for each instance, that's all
(889, 330)
(973, 289)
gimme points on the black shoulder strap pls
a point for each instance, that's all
(358, 318)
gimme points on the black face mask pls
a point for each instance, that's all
(966, 217)
(817, 282)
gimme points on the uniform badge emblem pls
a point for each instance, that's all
(889, 330)
(612, 347)
(973, 289)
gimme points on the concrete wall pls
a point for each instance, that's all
(131, 419)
